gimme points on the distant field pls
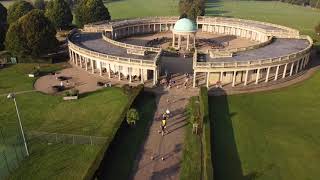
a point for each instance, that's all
(139, 8)
(301, 18)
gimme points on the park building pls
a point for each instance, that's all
(231, 52)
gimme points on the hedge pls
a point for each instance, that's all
(96, 163)
(192, 153)
(206, 135)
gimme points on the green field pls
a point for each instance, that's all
(95, 114)
(269, 135)
(140, 8)
(301, 18)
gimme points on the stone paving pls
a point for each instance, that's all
(160, 156)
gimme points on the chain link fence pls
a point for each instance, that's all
(65, 138)
(12, 152)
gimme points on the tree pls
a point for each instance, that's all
(33, 34)
(3, 25)
(192, 8)
(40, 4)
(59, 13)
(132, 116)
(3, 15)
(17, 10)
(89, 11)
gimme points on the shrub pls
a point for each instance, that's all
(132, 116)
(72, 92)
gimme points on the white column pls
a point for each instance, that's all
(130, 73)
(188, 40)
(194, 41)
(141, 75)
(179, 41)
(173, 40)
(100, 67)
(257, 76)
(119, 73)
(208, 77)
(297, 66)
(268, 72)
(154, 77)
(246, 78)
(285, 71)
(277, 72)
(301, 65)
(86, 61)
(92, 66)
(234, 78)
(221, 77)
(291, 69)
(194, 78)
(109, 71)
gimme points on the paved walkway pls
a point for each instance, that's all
(149, 163)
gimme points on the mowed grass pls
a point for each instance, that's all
(270, 135)
(140, 8)
(94, 114)
(298, 17)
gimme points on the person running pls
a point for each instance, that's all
(163, 126)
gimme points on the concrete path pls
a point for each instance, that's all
(149, 163)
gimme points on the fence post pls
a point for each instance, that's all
(91, 140)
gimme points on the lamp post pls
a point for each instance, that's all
(12, 96)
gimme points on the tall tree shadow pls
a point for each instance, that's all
(225, 156)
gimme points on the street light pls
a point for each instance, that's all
(12, 96)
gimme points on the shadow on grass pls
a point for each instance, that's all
(226, 159)
(120, 157)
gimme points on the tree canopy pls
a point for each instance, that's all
(39, 4)
(192, 8)
(59, 13)
(89, 11)
(17, 10)
(33, 34)
(3, 14)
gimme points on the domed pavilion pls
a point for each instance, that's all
(184, 28)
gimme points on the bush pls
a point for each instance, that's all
(132, 116)
(206, 135)
(72, 92)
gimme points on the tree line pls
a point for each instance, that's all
(191, 8)
(30, 29)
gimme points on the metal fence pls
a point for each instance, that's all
(12, 152)
(65, 138)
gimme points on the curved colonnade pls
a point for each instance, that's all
(246, 65)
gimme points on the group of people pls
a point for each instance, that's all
(169, 82)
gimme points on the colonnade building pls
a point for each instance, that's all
(277, 51)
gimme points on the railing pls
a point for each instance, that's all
(243, 21)
(118, 59)
(256, 62)
(130, 46)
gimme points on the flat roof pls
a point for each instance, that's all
(279, 47)
(94, 42)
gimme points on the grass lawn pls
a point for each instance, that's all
(270, 135)
(127, 143)
(301, 18)
(140, 8)
(191, 160)
(95, 114)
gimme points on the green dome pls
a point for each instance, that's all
(185, 25)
